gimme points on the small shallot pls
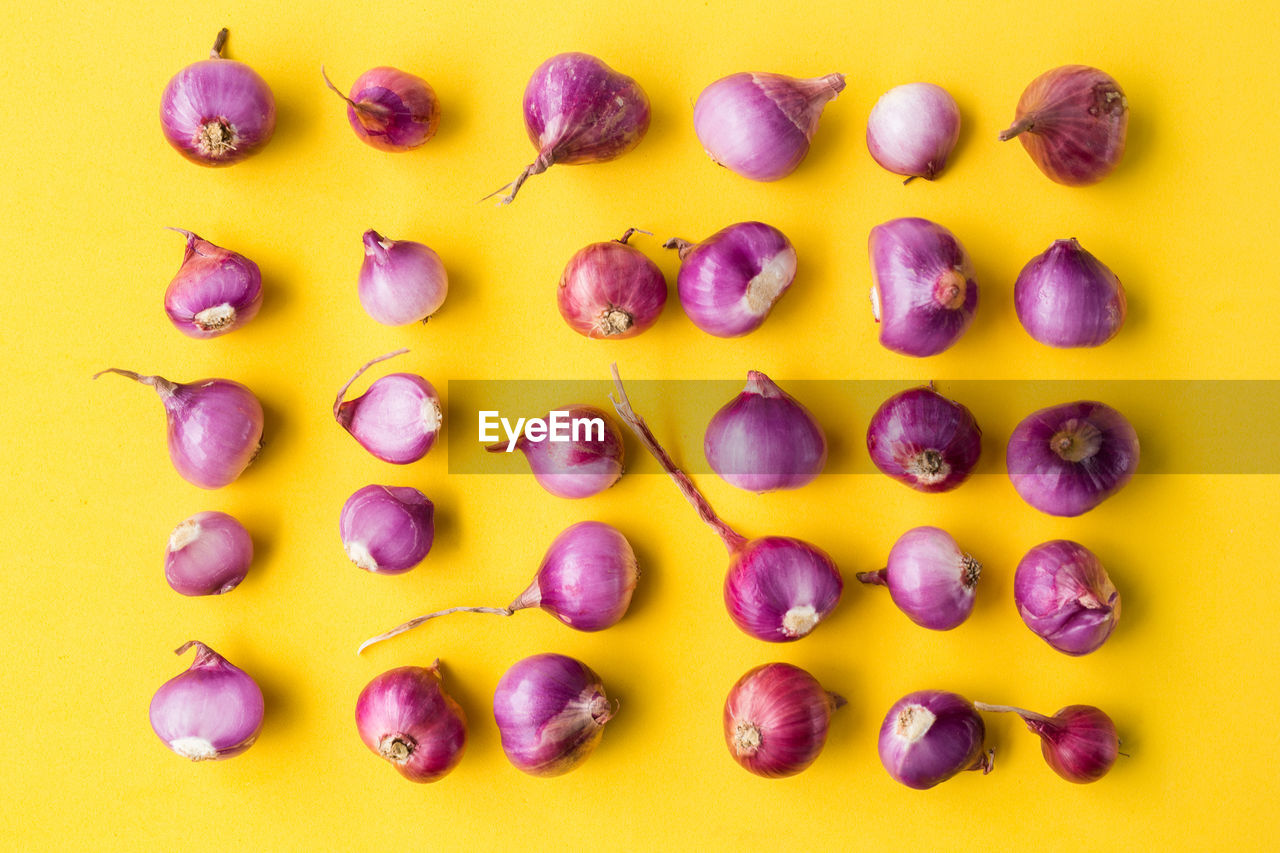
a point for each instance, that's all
(765, 439)
(776, 719)
(923, 440)
(912, 129)
(208, 554)
(387, 530)
(1079, 742)
(216, 290)
(931, 735)
(390, 109)
(1064, 595)
(405, 717)
(611, 290)
(584, 461)
(929, 578)
(1066, 297)
(401, 281)
(213, 710)
(397, 419)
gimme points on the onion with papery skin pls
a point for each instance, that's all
(1064, 595)
(551, 711)
(923, 291)
(1079, 742)
(777, 588)
(397, 419)
(912, 129)
(611, 290)
(214, 426)
(1067, 459)
(217, 111)
(208, 554)
(387, 530)
(930, 578)
(578, 468)
(730, 281)
(931, 735)
(765, 439)
(923, 440)
(579, 110)
(401, 281)
(405, 717)
(776, 719)
(760, 125)
(216, 290)
(1066, 297)
(585, 580)
(213, 710)
(1072, 121)
(390, 109)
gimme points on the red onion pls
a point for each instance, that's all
(929, 578)
(764, 439)
(611, 290)
(215, 290)
(213, 710)
(585, 580)
(923, 293)
(585, 465)
(1072, 121)
(1079, 742)
(777, 588)
(1064, 595)
(1067, 459)
(551, 710)
(931, 735)
(920, 438)
(759, 125)
(208, 554)
(401, 281)
(214, 425)
(579, 110)
(405, 716)
(776, 719)
(390, 109)
(1066, 297)
(387, 530)
(912, 129)
(397, 419)
(217, 111)
(730, 281)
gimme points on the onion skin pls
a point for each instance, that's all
(397, 419)
(611, 290)
(387, 530)
(923, 291)
(405, 717)
(759, 125)
(390, 109)
(217, 111)
(211, 711)
(776, 719)
(923, 440)
(214, 291)
(912, 130)
(1064, 595)
(574, 469)
(931, 735)
(778, 588)
(1065, 297)
(764, 439)
(208, 554)
(401, 282)
(730, 281)
(1079, 742)
(1072, 120)
(1065, 460)
(551, 710)
(930, 578)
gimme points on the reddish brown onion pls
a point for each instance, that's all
(1079, 742)
(776, 719)
(611, 290)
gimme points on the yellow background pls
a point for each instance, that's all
(87, 623)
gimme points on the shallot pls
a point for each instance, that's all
(923, 440)
(912, 129)
(1064, 595)
(1079, 741)
(1065, 297)
(390, 109)
(401, 281)
(931, 735)
(611, 290)
(213, 710)
(404, 716)
(216, 290)
(387, 530)
(585, 463)
(776, 719)
(208, 554)
(930, 578)
(765, 439)
(397, 419)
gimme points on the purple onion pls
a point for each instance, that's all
(1066, 297)
(585, 580)
(401, 281)
(387, 530)
(730, 281)
(579, 110)
(1079, 742)
(611, 290)
(208, 554)
(1072, 121)
(397, 419)
(584, 465)
(213, 710)
(929, 578)
(214, 426)
(390, 109)
(1067, 459)
(920, 438)
(764, 439)
(551, 711)
(215, 290)
(217, 111)
(1065, 596)
(405, 717)
(931, 735)
(912, 129)
(923, 293)
(776, 719)
(777, 588)
(759, 125)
